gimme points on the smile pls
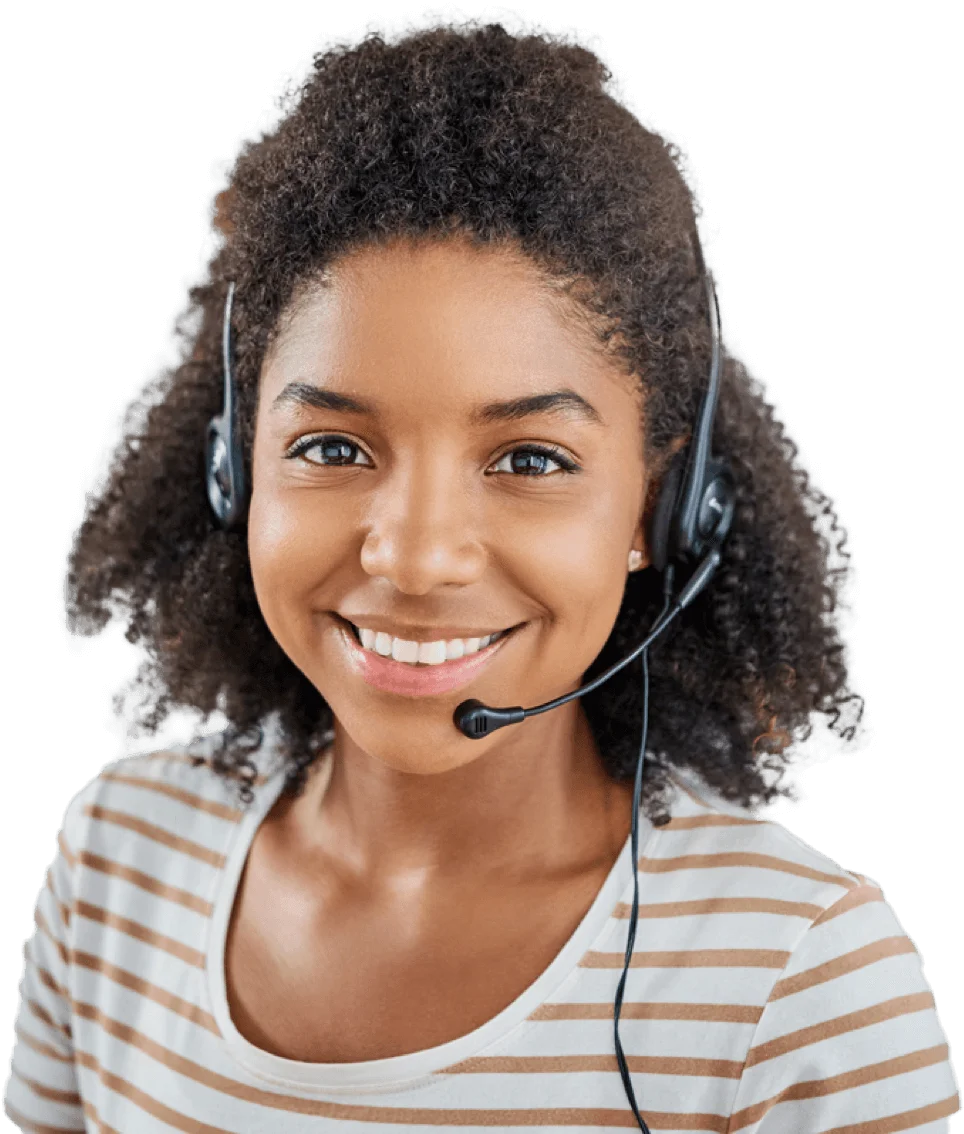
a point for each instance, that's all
(417, 680)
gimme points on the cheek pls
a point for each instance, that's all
(571, 558)
(576, 569)
(290, 553)
(272, 542)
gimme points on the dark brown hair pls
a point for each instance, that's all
(470, 131)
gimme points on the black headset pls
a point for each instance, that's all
(693, 513)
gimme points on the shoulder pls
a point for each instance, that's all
(736, 849)
(170, 796)
(751, 895)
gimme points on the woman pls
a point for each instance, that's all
(462, 296)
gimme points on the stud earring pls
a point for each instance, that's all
(635, 560)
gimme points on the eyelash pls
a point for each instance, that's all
(551, 451)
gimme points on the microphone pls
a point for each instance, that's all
(476, 719)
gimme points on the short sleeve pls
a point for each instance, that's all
(850, 1037)
(42, 1092)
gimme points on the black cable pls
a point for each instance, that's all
(637, 790)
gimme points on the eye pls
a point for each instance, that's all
(535, 458)
(337, 452)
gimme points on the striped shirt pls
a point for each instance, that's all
(770, 990)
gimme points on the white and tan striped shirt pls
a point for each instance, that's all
(770, 991)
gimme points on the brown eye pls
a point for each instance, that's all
(337, 451)
(534, 460)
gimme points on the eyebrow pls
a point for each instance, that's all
(565, 403)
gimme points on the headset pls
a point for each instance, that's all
(687, 527)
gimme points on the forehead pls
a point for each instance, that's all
(446, 319)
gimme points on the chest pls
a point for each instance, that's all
(323, 974)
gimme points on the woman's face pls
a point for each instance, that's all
(421, 513)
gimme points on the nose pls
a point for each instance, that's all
(423, 529)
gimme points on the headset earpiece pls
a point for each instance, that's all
(660, 533)
(224, 462)
(667, 533)
(714, 515)
(220, 489)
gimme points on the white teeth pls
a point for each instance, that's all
(404, 651)
(431, 653)
(427, 653)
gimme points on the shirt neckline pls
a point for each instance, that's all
(414, 1068)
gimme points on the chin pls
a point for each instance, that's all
(428, 755)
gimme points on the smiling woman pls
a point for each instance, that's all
(471, 340)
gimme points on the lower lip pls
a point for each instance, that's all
(418, 681)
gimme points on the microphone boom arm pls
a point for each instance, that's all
(476, 720)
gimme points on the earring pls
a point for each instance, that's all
(635, 560)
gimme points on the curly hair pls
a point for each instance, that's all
(504, 140)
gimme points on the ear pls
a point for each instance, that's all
(651, 495)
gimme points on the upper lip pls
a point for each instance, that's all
(421, 633)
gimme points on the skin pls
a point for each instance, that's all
(351, 937)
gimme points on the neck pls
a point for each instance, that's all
(539, 801)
